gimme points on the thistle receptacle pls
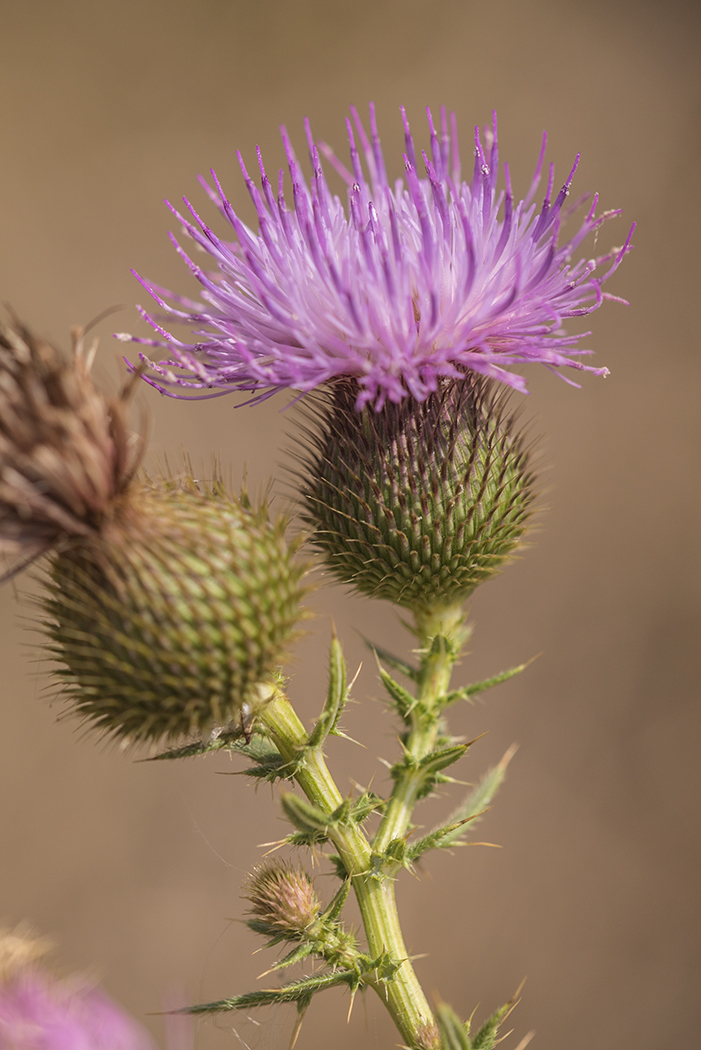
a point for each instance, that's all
(418, 502)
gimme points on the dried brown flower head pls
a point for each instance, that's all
(65, 452)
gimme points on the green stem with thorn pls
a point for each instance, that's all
(441, 635)
(401, 993)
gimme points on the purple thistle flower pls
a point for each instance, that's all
(38, 1013)
(412, 281)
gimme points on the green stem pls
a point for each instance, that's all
(401, 993)
(447, 627)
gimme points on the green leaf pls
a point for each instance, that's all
(339, 868)
(364, 805)
(384, 967)
(477, 801)
(268, 763)
(395, 662)
(436, 839)
(479, 687)
(451, 833)
(454, 1035)
(442, 758)
(289, 993)
(336, 906)
(427, 770)
(485, 1037)
(305, 838)
(225, 741)
(272, 767)
(402, 700)
(304, 815)
(297, 954)
(336, 696)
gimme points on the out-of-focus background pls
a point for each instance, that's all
(135, 869)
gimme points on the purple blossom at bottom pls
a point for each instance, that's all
(410, 280)
(40, 1013)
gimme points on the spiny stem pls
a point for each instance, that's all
(447, 628)
(401, 993)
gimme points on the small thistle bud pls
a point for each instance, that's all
(428, 1037)
(419, 502)
(283, 901)
(169, 605)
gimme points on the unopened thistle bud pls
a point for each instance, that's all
(283, 901)
(418, 502)
(169, 605)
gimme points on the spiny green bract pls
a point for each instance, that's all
(174, 619)
(421, 501)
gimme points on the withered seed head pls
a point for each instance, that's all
(65, 452)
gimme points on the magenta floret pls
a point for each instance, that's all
(407, 282)
(39, 1013)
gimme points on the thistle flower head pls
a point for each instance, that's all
(175, 619)
(408, 282)
(170, 604)
(40, 1012)
(416, 503)
(283, 901)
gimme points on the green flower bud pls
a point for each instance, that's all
(174, 618)
(419, 502)
(169, 607)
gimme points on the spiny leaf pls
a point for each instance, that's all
(395, 662)
(308, 818)
(366, 804)
(486, 1037)
(384, 967)
(427, 770)
(289, 993)
(339, 868)
(454, 1035)
(336, 697)
(442, 758)
(479, 687)
(336, 906)
(477, 801)
(272, 767)
(297, 954)
(402, 699)
(225, 741)
(439, 838)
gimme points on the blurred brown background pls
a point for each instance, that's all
(135, 869)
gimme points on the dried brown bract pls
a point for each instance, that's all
(66, 454)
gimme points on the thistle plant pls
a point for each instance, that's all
(170, 607)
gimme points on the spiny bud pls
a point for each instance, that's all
(419, 502)
(283, 901)
(170, 605)
(175, 618)
(428, 1037)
